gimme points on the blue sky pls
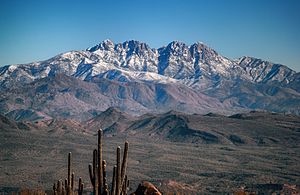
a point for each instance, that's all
(37, 30)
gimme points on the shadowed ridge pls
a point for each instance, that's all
(211, 114)
(112, 120)
(4, 121)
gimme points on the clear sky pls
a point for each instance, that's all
(37, 30)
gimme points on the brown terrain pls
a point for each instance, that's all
(256, 152)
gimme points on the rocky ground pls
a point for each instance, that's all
(255, 152)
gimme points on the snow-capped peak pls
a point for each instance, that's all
(107, 44)
(196, 63)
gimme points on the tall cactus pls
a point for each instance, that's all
(80, 186)
(69, 182)
(119, 178)
(94, 173)
(100, 168)
(124, 163)
(72, 182)
(118, 174)
(66, 187)
(125, 185)
(54, 189)
(113, 186)
(105, 185)
(97, 170)
(96, 176)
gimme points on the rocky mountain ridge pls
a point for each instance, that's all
(135, 77)
(131, 59)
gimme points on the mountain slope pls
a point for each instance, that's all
(252, 128)
(111, 121)
(139, 79)
(64, 96)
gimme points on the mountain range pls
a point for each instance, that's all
(138, 79)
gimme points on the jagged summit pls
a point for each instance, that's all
(107, 44)
(191, 78)
(134, 45)
(136, 60)
(176, 45)
(263, 71)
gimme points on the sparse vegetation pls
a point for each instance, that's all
(98, 174)
(28, 162)
(67, 187)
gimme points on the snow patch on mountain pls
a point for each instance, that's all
(196, 65)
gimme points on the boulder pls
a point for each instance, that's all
(146, 188)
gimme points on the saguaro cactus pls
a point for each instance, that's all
(100, 168)
(125, 185)
(69, 181)
(124, 164)
(72, 182)
(113, 186)
(94, 173)
(66, 187)
(119, 182)
(54, 189)
(97, 171)
(105, 185)
(80, 186)
(118, 175)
